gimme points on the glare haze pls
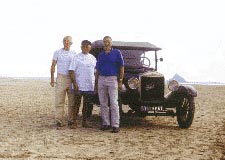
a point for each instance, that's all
(190, 32)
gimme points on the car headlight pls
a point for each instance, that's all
(173, 85)
(133, 83)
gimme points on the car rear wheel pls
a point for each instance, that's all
(185, 112)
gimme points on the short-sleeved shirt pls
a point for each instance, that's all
(109, 64)
(63, 59)
(83, 66)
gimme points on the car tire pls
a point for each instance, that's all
(185, 112)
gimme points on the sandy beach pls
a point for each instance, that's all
(27, 129)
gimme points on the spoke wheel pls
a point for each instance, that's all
(185, 112)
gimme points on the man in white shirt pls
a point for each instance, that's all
(62, 58)
(81, 71)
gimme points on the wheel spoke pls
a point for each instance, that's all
(185, 112)
(185, 108)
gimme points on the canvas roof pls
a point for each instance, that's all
(145, 46)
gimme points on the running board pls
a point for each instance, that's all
(170, 113)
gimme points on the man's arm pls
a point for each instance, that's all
(54, 62)
(120, 78)
(73, 80)
(96, 80)
(72, 76)
(121, 73)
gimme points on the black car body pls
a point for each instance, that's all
(144, 87)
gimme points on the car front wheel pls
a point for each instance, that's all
(185, 112)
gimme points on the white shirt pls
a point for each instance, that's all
(83, 66)
(63, 59)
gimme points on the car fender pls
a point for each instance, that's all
(174, 97)
(188, 89)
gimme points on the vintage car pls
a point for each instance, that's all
(144, 87)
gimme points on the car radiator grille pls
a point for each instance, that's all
(152, 88)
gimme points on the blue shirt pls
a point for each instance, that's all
(109, 64)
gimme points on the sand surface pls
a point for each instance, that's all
(27, 129)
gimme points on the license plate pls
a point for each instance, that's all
(148, 108)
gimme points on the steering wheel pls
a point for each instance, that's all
(143, 61)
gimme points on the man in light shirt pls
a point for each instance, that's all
(81, 71)
(62, 58)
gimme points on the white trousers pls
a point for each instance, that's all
(63, 88)
(108, 90)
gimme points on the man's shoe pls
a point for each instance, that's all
(105, 127)
(85, 125)
(115, 129)
(72, 125)
(58, 125)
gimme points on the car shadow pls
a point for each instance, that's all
(126, 122)
(143, 122)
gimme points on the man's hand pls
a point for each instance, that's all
(96, 81)
(75, 86)
(96, 88)
(54, 62)
(120, 83)
(120, 80)
(52, 83)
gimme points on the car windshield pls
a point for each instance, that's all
(135, 58)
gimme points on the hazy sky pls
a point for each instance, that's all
(191, 33)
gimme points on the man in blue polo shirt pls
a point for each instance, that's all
(109, 74)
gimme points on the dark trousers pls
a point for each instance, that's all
(87, 104)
